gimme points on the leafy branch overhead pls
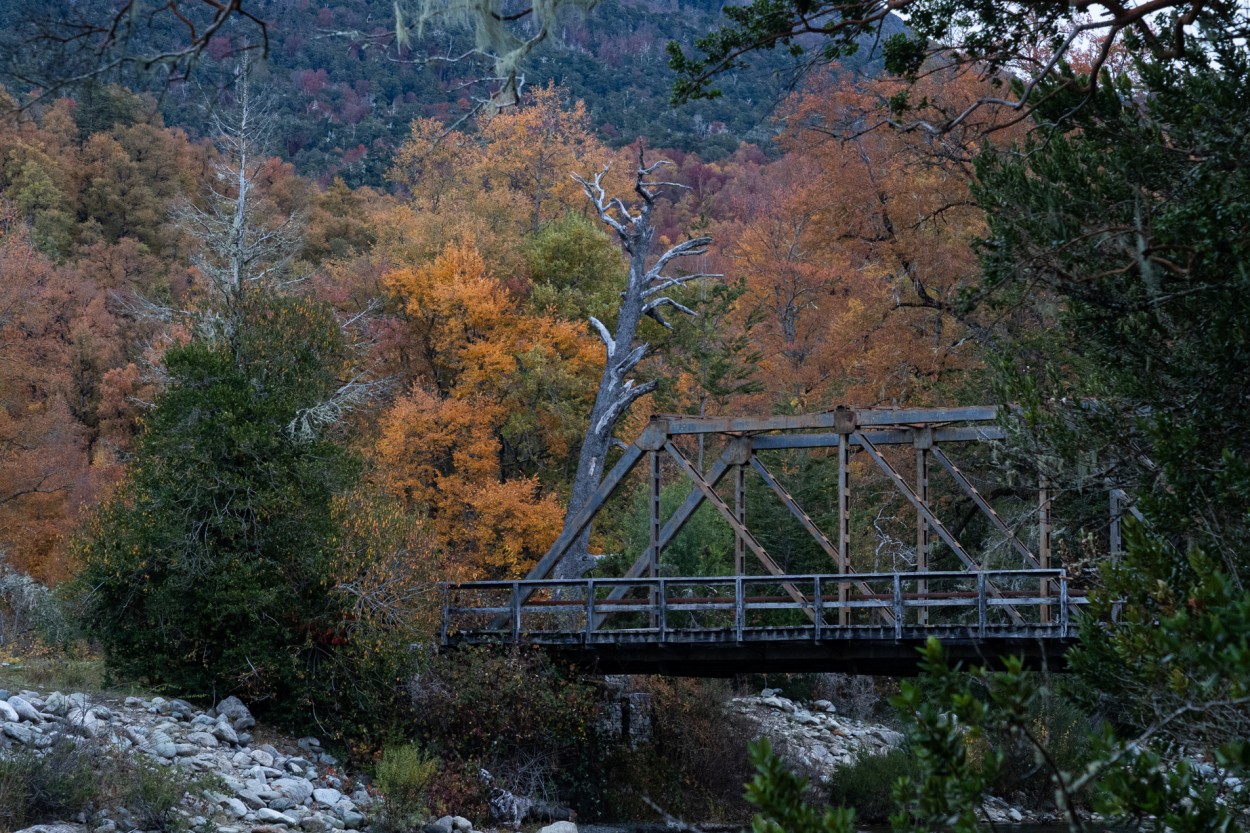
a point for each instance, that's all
(1028, 44)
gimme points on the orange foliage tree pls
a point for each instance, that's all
(856, 248)
(496, 399)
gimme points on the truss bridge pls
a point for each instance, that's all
(1002, 594)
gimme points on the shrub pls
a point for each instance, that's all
(868, 784)
(522, 717)
(77, 776)
(241, 555)
(696, 763)
(404, 776)
(60, 783)
(152, 793)
(29, 609)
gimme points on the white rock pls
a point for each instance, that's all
(262, 757)
(461, 824)
(315, 823)
(777, 703)
(232, 707)
(225, 733)
(56, 703)
(203, 739)
(7, 714)
(19, 733)
(265, 814)
(560, 827)
(296, 789)
(234, 807)
(326, 796)
(161, 745)
(25, 710)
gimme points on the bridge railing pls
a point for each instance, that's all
(745, 608)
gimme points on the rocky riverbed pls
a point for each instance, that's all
(816, 740)
(270, 784)
(292, 785)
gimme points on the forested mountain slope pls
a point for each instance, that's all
(344, 91)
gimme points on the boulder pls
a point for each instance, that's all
(326, 796)
(204, 739)
(57, 704)
(19, 732)
(234, 807)
(296, 789)
(314, 823)
(225, 733)
(233, 709)
(265, 814)
(25, 710)
(559, 827)
(7, 713)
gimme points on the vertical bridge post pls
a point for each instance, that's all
(922, 443)
(844, 424)
(1043, 543)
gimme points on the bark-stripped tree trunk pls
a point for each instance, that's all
(644, 295)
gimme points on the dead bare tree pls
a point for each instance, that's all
(646, 295)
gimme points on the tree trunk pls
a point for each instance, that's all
(643, 296)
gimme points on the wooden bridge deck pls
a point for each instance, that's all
(723, 625)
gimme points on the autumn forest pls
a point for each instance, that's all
(289, 335)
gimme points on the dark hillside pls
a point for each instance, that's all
(344, 93)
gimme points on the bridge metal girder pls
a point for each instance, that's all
(842, 429)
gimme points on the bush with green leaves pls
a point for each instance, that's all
(211, 570)
(867, 784)
(83, 776)
(784, 802)
(404, 776)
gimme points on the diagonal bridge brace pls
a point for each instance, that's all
(811, 527)
(725, 512)
(934, 522)
(984, 505)
(674, 525)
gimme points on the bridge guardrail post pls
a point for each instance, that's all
(1063, 606)
(663, 592)
(898, 606)
(981, 604)
(516, 613)
(818, 600)
(590, 610)
(739, 611)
